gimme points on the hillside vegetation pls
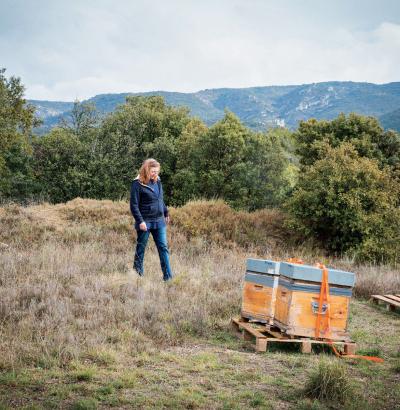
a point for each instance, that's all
(79, 330)
(338, 181)
(259, 107)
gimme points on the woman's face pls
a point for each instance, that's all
(154, 171)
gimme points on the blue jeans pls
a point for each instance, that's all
(160, 239)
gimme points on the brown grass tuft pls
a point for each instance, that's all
(330, 382)
(216, 222)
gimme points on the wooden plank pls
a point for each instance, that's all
(264, 328)
(276, 334)
(251, 330)
(382, 298)
(312, 341)
(393, 297)
(246, 335)
(386, 300)
(247, 332)
(350, 348)
(261, 345)
(305, 346)
(390, 307)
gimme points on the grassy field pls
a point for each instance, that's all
(79, 330)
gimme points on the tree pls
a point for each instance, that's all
(185, 181)
(16, 122)
(345, 200)
(82, 121)
(220, 153)
(230, 162)
(61, 166)
(143, 127)
(364, 133)
(269, 174)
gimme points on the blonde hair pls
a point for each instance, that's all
(144, 171)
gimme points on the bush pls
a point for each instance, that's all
(85, 404)
(365, 134)
(228, 161)
(218, 223)
(16, 122)
(61, 165)
(349, 205)
(329, 382)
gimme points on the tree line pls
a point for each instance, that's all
(338, 180)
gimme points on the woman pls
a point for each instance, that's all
(151, 216)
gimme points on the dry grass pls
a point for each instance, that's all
(68, 300)
(65, 289)
(330, 382)
(65, 286)
(215, 221)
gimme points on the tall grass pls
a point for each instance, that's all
(66, 290)
(330, 382)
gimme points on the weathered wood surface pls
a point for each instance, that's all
(263, 334)
(392, 301)
(258, 301)
(295, 316)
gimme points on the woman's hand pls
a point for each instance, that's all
(143, 226)
(167, 219)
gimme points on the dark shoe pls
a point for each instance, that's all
(140, 273)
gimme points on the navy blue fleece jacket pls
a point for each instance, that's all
(147, 202)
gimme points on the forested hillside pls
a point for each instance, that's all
(259, 107)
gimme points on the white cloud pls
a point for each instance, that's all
(79, 49)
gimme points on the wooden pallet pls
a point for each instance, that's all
(264, 334)
(391, 301)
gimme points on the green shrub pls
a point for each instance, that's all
(396, 367)
(247, 170)
(329, 382)
(217, 222)
(85, 404)
(349, 205)
(307, 404)
(83, 375)
(364, 133)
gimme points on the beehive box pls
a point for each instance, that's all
(259, 290)
(297, 300)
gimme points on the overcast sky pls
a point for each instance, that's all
(65, 50)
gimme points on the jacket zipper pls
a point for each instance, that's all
(159, 189)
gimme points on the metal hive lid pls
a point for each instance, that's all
(262, 266)
(314, 274)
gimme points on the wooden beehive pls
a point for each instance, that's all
(259, 290)
(297, 300)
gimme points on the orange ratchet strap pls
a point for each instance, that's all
(324, 327)
(296, 260)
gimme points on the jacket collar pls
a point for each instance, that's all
(147, 186)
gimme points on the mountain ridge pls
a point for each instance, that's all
(259, 107)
